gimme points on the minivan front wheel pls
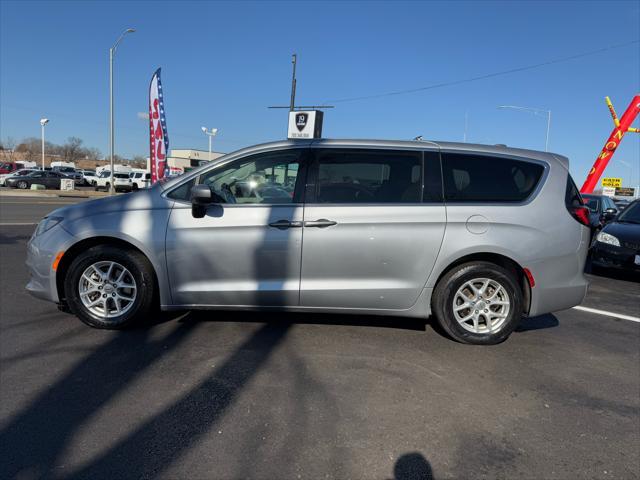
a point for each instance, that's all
(110, 288)
(478, 303)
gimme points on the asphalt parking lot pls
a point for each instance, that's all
(248, 395)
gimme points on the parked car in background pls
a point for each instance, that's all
(48, 178)
(476, 235)
(602, 210)
(17, 173)
(10, 167)
(89, 177)
(121, 181)
(69, 172)
(140, 179)
(618, 243)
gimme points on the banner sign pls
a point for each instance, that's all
(608, 191)
(622, 126)
(611, 182)
(158, 141)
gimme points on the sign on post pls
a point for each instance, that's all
(305, 124)
(611, 182)
(625, 192)
(608, 191)
(67, 184)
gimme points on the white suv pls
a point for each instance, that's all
(140, 180)
(121, 181)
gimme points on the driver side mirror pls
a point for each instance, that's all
(201, 198)
(609, 214)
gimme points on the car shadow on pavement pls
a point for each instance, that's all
(537, 323)
(402, 323)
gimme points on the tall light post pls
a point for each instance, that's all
(535, 111)
(112, 52)
(210, 133)
(43, 122)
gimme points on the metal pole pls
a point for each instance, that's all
(293, 84)
(42, 125)
(546, 148)
(209, 146)
(111, 119)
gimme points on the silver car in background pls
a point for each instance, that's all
(476, 235)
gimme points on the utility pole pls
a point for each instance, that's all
(292, 103)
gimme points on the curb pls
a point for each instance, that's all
(53, 194)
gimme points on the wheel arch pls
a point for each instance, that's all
(498, 259)
(72, 252)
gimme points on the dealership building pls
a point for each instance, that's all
(185, 160)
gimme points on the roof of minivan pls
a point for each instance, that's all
(401, 144)
(422, 144)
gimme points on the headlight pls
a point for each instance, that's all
(608, 239)
(47, 223)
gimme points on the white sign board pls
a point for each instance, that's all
(305, 124)
(609, 191)
(67, 184)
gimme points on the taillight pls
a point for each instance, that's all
(581, 214)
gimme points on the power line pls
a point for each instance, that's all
(484, 77)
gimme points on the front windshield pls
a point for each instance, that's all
(631, 214)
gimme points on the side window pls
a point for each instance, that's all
(368, 176)
(267, 178)
(480, 178)
(183, 192)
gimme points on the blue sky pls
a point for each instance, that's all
(224, 63)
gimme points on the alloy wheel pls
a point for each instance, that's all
(481, 306)
(107, 289)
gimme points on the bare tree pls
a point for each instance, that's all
(9, 147)
(92, 154)
(72, 150)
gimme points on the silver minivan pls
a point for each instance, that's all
(477, 236)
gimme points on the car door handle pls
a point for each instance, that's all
(284, 224)
(322, 223)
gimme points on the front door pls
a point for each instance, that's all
(371, 238)
(246, 250)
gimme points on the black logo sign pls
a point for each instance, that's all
(301, 121)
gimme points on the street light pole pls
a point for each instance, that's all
(112, 52)
(43, 122)
(535, 111)
(210, 133)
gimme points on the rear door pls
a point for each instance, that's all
(371, 237)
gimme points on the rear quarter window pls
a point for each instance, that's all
(481, 178)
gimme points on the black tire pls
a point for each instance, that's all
(444, 297)
(132, 260)
(23, 185)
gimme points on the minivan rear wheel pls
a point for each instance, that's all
(478, 303)
(111, 288)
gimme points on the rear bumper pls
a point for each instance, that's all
(560, 281)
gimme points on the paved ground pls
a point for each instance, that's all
(220, 395)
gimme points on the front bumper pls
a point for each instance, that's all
(609, 256)
(41, 252)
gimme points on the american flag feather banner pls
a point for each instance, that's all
(158, 139)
